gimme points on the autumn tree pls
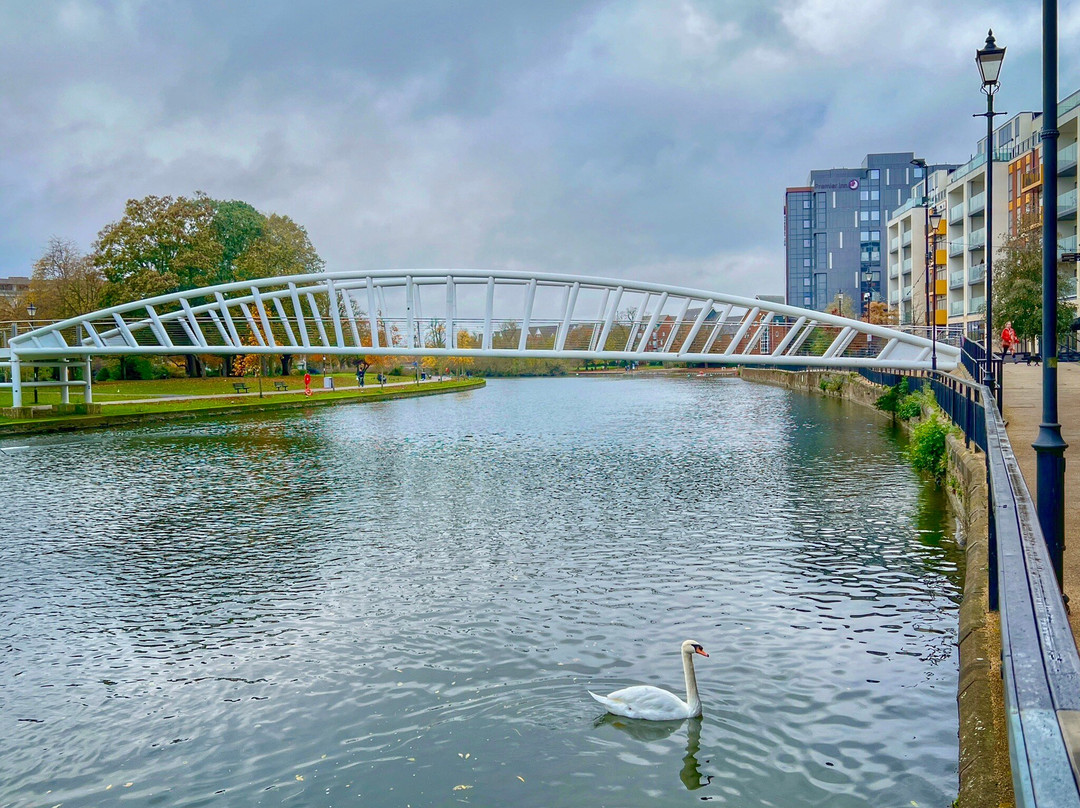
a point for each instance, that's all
(879, 313)
(65, 283)
(841, 306)
(160, 245)
(164, 244)
(467, 341)
(1018, 282)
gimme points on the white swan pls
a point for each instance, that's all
(652, 703)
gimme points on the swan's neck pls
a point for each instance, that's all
(692, 698)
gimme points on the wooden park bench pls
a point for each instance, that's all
(281, 386)
(240, 387)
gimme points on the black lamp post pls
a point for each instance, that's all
(989, 60)
(931, 269)
(1049, 445)
(31, 310)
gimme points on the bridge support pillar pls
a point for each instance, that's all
(65, 396)
(16, 380)
(88, 379)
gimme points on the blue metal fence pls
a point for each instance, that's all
(1040, 663)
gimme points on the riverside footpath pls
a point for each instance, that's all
(1023, 412)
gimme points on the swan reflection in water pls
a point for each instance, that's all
(650, 731)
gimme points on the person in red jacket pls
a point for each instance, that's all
(1009, 340)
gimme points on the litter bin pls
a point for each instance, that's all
(328, 382)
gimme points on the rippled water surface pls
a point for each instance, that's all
(404, 604)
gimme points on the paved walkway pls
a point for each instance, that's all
(1023, 411)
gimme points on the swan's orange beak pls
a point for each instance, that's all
(700, 651)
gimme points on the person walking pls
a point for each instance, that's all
(1009, 340)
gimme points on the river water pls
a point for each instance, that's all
(404, 604)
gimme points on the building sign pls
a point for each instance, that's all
(842, 185)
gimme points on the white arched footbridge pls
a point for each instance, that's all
(467, 313)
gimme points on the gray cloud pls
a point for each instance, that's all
(634, 139)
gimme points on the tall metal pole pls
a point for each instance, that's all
(926, 260)
(990, 380)
(1049, 445)
(932, 261)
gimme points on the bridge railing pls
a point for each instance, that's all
(1040, 662)
(473, 312)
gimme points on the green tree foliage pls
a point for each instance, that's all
(160, 245)
(282, 248)
(237, 226)
(1018, 283)
(928, 445)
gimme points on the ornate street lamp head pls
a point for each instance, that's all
(989, 60)
(935, 220)
(31, 309)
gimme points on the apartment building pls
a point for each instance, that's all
(1025, 182)
(909, 274)
(833, 230)
(953, 268)
(14, 287)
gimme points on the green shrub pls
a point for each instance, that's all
(927, 450)
(889, 401)
(831, 384)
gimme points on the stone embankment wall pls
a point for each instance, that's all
(985, 776)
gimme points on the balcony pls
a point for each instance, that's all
(956, 213)
(894, 297)
(977, 239)
(1067, 160)
(977, 305)
(905, 239)
(956, 247)
(956, 279)
(894, 244)
(1031, 181)
(1068, 244)
(894, 271)
(907, 293)
(977, 203)
(977, 274)
(906, 266)
(956, 308)
(1066, 205)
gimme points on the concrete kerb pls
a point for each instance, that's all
(985, 778)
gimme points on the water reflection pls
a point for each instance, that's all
(652, 731)
(339, 606)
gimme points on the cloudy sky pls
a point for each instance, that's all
(649, 140)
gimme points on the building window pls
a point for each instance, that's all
(806, 242)
(805, 281)
(864, 195)
(806, 204)
(805, 222)
(875, 215)
(864, 215)
(875, 195)
(875, 173)
(875, 235)
(806, 262)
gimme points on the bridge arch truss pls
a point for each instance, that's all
(436, 312)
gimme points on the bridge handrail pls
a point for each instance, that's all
(399, 277)
(1040, 661)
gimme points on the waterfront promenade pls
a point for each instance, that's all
(1023, 411)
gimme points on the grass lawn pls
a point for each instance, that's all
(172, 388)
(173, 395)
